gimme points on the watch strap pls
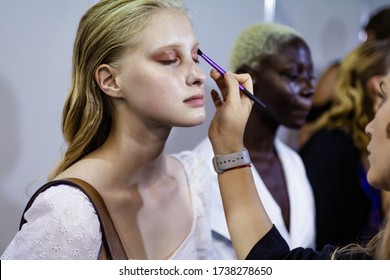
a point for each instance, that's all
(223, 163)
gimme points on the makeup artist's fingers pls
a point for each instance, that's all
(232, 91)
(234, 94)
(227, 127)
(215, 75)
(225, 83)
(216, 98)
(245, 80)
(220, 81)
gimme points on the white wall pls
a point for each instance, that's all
(35, 54)
(36, 40)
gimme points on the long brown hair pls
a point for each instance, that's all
(353, 105)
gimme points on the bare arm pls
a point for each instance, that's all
(246, 217)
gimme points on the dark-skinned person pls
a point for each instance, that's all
(280, 64)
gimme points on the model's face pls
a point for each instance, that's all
(379, 147)
(160, 78)
(285, 84)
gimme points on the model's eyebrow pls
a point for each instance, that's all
(165, 48)
(175, 46)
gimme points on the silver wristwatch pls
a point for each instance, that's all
(222, 163)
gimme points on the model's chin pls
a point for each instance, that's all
(197, 122)
(377, 182)
(193, 121)
(200, 117)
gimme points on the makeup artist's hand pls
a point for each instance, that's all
(232, 111)
(245, 215)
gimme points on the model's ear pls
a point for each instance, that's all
(105, 76)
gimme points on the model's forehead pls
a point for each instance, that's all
(168, 29)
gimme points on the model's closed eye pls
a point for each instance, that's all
(169, 61)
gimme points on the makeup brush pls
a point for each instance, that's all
(257, 101)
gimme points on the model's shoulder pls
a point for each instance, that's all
(60, 224)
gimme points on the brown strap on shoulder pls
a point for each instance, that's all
(111, 244)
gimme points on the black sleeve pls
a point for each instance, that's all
(273, 247)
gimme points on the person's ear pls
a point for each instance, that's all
(105, 77)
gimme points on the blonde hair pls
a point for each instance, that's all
(257, 41)
(105, 32)
(352, 106)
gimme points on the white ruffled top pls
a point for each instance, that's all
(62, 223)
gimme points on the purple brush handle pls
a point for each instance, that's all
(257, 101)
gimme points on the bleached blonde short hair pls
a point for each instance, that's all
(257, 41)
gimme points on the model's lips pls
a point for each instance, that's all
(195, 100)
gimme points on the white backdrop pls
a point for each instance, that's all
(36, 40)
